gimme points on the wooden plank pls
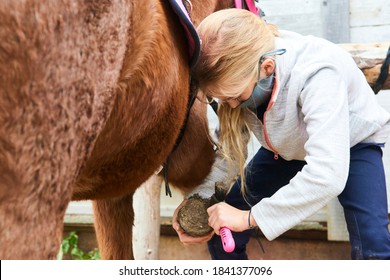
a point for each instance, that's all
(337, 227)
(369, 34)
(335, 20)
(369, 13)
(367, 55)
(291, 7)
(301, 16)
(369, 58)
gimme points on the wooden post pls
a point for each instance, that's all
(335, 20)
(369, 58)
(337, 227)
(146, 229)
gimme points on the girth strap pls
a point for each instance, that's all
(191, 101)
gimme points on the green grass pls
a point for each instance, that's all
(70, 250)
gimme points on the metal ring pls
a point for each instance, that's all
(188, 5)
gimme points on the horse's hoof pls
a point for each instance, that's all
(193, 217)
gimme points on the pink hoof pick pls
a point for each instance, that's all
(225, 233)
(227, 239)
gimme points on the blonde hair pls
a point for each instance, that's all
(232, 42)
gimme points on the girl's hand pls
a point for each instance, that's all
(185, 238)
(224, 215)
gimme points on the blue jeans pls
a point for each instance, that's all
(364, 200)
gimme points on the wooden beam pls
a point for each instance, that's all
(335, 20)
(146, 229)
(369, 58)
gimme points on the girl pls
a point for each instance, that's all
(319, 124)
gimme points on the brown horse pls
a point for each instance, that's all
(93, 95)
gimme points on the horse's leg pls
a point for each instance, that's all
(114, 220)
(31, 219)
(113, 224)
(35, 188)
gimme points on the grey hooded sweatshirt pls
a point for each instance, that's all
(321, 106)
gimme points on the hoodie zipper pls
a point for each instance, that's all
(270, 104)
(267, 140)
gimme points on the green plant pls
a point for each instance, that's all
(70, 248)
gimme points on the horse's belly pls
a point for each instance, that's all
(60, 63)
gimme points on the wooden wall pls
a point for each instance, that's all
(370, 21)
(340, 21)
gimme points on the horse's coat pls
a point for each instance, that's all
(92, 98)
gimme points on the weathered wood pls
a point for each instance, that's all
(369, 13)
(146, 234)
(337, 227)
(335, 17)
(289, 15)
(369, 21)
(369, 57)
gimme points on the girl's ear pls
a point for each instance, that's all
(268, 66)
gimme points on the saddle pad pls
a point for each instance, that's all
(191, 33)
(248, 5)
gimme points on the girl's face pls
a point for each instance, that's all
(234, 102)
(267, 67)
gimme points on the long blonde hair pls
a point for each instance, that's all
(232, 42)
